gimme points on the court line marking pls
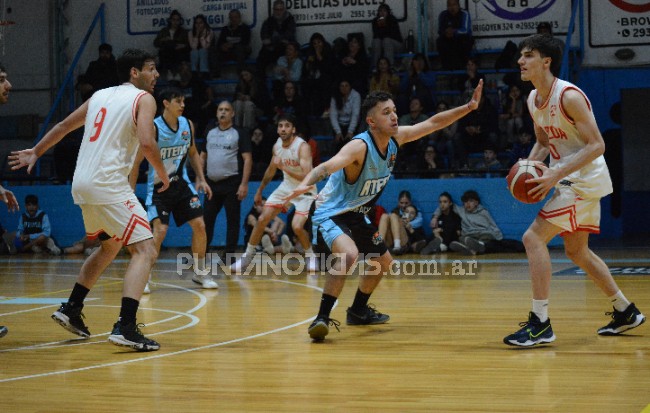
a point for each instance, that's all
(175, 353)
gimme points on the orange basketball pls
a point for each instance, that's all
(517, 177)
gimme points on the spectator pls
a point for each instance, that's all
(408, 154)
(512, 112)
(101, 73)
(228, 160)
(318, 74)
(234, 43)
(479, 233)
(521, 149)
(345, 110)
(198, 96)
(429, 163)
(418, 84)
(173, 45)
(277, 31)
(200, 39)
(287, 69)
(354, 65)
(261, 150)
(489, 161)
(443, 139)
(290, 102)
(393, 227)
(34, 231)
(468, 82)
(273, 232)
(386, 36)
(455, 39)
(384, 79)
(445, 225)
(251, 100)
(475, 130)
(84, 246)
(416, 238)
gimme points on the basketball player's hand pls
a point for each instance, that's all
(545, 183)
(165, 183)
(9, 198)
(19, 159)
(202, 186)
(299, 190)
(476, 97)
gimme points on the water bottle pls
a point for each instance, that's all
(410, 42)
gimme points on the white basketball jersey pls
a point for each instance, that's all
(108, 147)
(290, 158)
(593, 180)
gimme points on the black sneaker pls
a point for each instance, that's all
(532, 332)
(369, 316)
(433, 246)
(319, 328)
(459, 247)
(478, 247)
(3, 331)
(622, 321)
(130, 336)
(71, 318)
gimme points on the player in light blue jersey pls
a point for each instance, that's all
(175, 136)
(357, 175)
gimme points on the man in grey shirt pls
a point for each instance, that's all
(227, 155)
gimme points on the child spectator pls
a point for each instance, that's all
(446, 226)
(34, 230)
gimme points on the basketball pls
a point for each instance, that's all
(517, 177)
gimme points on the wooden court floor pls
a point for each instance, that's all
(244, 347)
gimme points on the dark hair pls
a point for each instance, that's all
(317, 35)
(31, 199)
(471, 194)
(547, 46)
(446, 195)
(2, 68)
(131, 58)
(385, 7)
(170, 93)
(172, 14)
(205, 22)
(288, 117)
(105, 47)
(545, 26)
(372, 100)
(405, 194)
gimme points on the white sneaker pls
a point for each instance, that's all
(52, 248)
(241, 264)
(206, 281)
(147, 289)
(267, 245)
(312, 263)
(286, 244)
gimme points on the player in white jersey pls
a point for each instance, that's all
(567, 131)
(292, 155)
(117, 121)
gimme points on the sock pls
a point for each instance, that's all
(619, 301)
(78, 295)
(397, 243)
(250, 249)
(326, 303)
(199, 263)
(309, 251)
(360, 300)
(540, 308)
(128, 310)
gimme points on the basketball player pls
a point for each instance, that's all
(175, 137)
(359, 172)
(7, 196)
(566, 129)
(292, 155)
(117, 121)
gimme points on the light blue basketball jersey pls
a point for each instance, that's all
(338, 196)
(173, 145)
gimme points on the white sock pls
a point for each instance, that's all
(540, 308)
(619, 301)
(309, 252)
(397, 243)
(250, 249)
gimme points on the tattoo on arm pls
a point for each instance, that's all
(318, 174)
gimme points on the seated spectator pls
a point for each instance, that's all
(384, 79)
(394, 227)
(455, 39)
(251, 100)
(468, 81)
(429, 163)
(416, 238)
(277, 31)
(273, 233)
(512, 112)
(443, 139)
(34, 231)
(409, 153)
(101, 73)
(290, 102)
(199, 106)
(84, 246)
(521, 149)
(354, 65)
(318, 74)
(288, 68)
(261, 150)
(489, 161)
(234, 43)
(345, 108)
(418, 84)
(200, 39)
(173, 46)
(445, 225)
(386, 36)
(479, 233)
(475, 130)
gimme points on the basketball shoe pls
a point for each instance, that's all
(367, 316)
(3, 331)
(71, 318)
(205, 280)
(319, 328)
(622, 321)
(130, 336)
(532, 332)
(242, 263)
